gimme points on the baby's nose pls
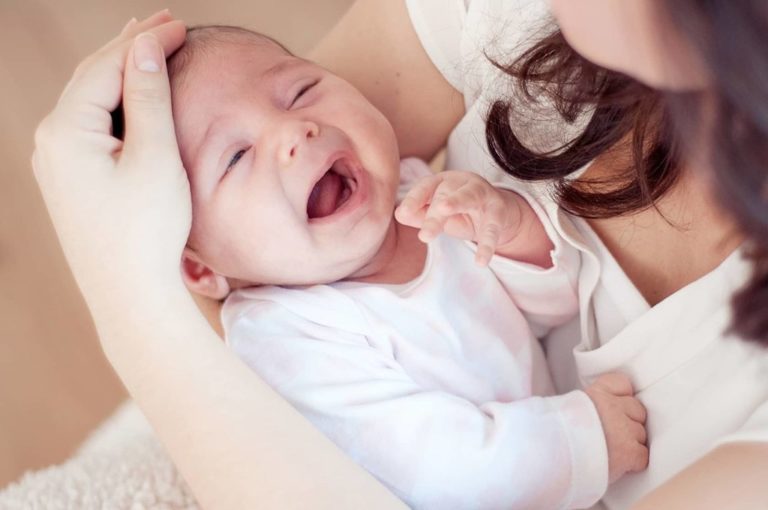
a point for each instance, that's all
(295, 139)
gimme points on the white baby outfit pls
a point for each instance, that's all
(435, 386)
(701, 386)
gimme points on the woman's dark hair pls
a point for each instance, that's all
(730, 38)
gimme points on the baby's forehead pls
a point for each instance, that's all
(224, 49)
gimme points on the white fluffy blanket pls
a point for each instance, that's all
(120, 466)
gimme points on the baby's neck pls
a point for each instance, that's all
(400, 258)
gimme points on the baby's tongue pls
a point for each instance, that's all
(325, 195)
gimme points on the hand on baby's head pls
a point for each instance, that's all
(293, 172)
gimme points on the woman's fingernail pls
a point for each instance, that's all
(128, 25)
(147, 54)
(159, 14)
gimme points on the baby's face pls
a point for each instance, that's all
(293, 172)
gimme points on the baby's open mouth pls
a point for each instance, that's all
(332, 190)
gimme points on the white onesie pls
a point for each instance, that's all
(438, 387)
(701, 385)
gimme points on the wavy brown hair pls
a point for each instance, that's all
(730, 37)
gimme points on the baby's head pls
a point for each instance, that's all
(293, 172)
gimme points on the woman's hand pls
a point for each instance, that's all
(121, 209)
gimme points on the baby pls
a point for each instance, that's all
(417, 359)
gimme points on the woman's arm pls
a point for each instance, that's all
(236, 442)
(733, 476)
(122, 212)
(375, 48)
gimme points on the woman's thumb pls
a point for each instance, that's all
(147, 99)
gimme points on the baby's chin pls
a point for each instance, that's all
(333, 270)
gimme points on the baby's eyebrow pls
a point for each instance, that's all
(206, 142)
(283, 66)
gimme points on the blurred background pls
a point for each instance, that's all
(55, 385)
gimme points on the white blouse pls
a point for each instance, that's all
(701, 386)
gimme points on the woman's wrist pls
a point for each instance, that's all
(131, 307)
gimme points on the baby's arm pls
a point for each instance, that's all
(466, 206)
(433, 448)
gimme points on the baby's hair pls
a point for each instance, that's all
(202, 39)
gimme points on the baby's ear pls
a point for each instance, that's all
(201, 279)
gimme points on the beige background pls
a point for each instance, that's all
(54, 383)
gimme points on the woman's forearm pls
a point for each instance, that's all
(733, 476)
(122, 211)
(235, 441)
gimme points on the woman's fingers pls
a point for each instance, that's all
(129, 31)
(147, 99)
(128, 25)
(96, 88)
(134, 27)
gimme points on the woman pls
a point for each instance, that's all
(648, 183)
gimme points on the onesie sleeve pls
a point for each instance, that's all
(548, 297)
(432, 448)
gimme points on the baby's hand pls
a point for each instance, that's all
(463, 205)
(623, 419)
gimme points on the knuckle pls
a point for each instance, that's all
(145, 97)
(617, 381)
(435, 211)
(447, 203)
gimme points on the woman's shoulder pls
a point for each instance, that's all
(463, 37)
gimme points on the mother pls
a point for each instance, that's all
(668, 210)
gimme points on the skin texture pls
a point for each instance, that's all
(145, 316)
(404, 84)
(254, 147)
(630, 40)
(635, 41)
(707, 235)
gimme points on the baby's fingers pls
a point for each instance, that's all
(638, 432)
(489, 231)
(487, 241)
(467, 199)
(432, 227)
(411, 210)
(634, 409)
(640, 460)
(439, 212)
